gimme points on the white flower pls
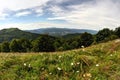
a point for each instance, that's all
(87, 75)
(78, 63)
(59, 68)
(29, 65)
(72, 64)
(42, 68)
(82, 47)
(24, 64)
(50, 73)
(60, 56)
(111, 55)
(97, 65)
(77, 71)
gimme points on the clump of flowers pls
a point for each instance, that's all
(87, 75)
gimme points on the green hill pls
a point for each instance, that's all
(69, 36)
(15, 33)
(97, 62)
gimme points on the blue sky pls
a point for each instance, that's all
(80, 14)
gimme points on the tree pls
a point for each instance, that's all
(86, 39)
(44, 43)
(24, 45)
(103, 34)
(14, 46)
(5, 47)
(74, 45)
(117, 31)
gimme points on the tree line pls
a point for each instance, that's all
(46, 43)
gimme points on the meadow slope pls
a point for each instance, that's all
(97, 62)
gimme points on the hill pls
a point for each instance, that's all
(68, 36)
(97, 62)
(15, 33)
(60, 31)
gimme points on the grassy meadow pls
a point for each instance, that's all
(97, 62)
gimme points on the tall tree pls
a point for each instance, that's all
(5, 47)
(24, 45)
(86, 39)
(103, 34)
(14, 46)
(44, 43)
(117, 31)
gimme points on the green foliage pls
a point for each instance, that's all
(5, 47)
(86, 39)
(44, 43)
(117, 31)
(14, 46)
(24, 45)
(103, 34)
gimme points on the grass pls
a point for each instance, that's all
(97, 62)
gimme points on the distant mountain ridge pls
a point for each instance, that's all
(60, 31)
(15, 33)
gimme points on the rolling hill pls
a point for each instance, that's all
(60, 31)
(97, 62)
(15, 33)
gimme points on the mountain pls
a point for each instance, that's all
(60, 31)
(68, 36)
(15, 33)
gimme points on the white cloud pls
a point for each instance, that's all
(37, 25)
(103, 13)
(24, 13)
(39, 11)
(16, 5)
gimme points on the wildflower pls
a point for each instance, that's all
(60, 56)
(77, 71)
(78, 63)
(82, 47)
(117, 41)
(50, 73)
(111, 55)
(42, 68)
(59, 68)
(97, 65)
(87, 75)
(72, 64)
(29, 65)
(24, 64)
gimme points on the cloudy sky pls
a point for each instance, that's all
(82, 14)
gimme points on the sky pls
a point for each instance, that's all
(79, 14)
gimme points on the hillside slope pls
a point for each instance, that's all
(98, 62)
(15, 33)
